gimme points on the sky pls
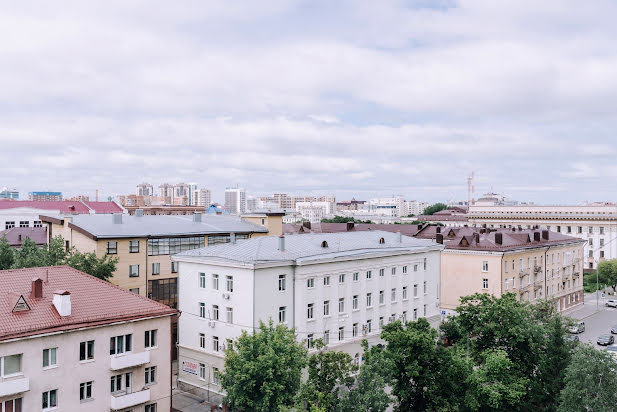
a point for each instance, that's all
(352, 98)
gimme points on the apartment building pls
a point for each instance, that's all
(595, 223)
(533, 264)
(340, 287)
(315, 211)
(45, 196)
(203, 198)
(6, 193)
(395, 206)
(72, 342)
(144, 189)
(235, 200)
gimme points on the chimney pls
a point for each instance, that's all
(282, 243)
(117, 218)
(350, 226)
(545, 234)
(232, 238)
(419, 226)
(306, 224)
(399, 237)
(499, 238)
(438, 229)
(62, 302)
(19, 237)
(476, 237)
(536, 236)
(37, 288)
(439, 238)
(139, 212)
(197, 217)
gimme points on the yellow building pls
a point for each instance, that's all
(533, 264)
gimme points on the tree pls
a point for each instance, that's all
(344, 219)
(102, 268)
(56, 253)
(29, 255)
(6, 254)
(607, 273)
(434, 208)
(590, 382)
(263, 369)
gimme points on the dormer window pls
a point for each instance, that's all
(382, 241)
(324, 244)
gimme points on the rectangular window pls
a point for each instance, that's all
(415, 314)
(415, 290)
(590, 229)
(326, 281)
(215, 312)
(424, 287)
(202, 371)
(356, 276)
(381, 297)
(230, 315)
(326, 308)
(282, 282)
(309, 311)
(580, 229)
(133, 271)
(215, 282)
(24, 223)
(202, 340)
(393, 271)
(85, 391)
(569, 229)
(404, 316)
(156, 268)
(381, 272)
(354, 302)
(380, 322)
(341, 305)
(50, 399)
(150, 375)
(341, 333)
(282, 314)
(150, 338)
(424, 311)
(120, 344)
(485, 266)
(326, 337)
(215, 343)
(86, 350)
(393, 295)
(202, 280)
(11, 365)
(415, 268)
(174, 267)
(369, 300)
(424, 263)
(216, 376)
(601, 242)
(341, 278)
(485, 283)
(12, 405)
(229, 283)
(601, 253)
(601, 230)
(49, 357)
(354, 330)
(112, 248)
(122, 382)
(202, 310)
(404, 270)
(404, 292)
(309, 341)
(150, 408)
(369, 274)
(310, 283)
(38, 223)
(134, 246)
(9, 225)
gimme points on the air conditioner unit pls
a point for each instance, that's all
(212, 323)
(226, 296)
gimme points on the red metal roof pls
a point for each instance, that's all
(93, 302)
(104, 207)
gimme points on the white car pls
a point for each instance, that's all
(578, 327)
(611, 303)
(612, 349)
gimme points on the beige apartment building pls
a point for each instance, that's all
(533, 264)
(72, 342)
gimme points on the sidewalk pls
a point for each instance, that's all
(187, 402)
(588, 308)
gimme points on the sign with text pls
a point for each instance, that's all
(190, 367)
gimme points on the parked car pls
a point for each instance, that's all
(606, 340)
(572, 338)
(578, 327)
(612, 349)
(614, 329)
(611, 303)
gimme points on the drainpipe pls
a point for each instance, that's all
(546, 272)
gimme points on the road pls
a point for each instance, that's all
(598, 319)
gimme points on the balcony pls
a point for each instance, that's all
(537, 269)
(576, 274)
(129, 360)
(14, 386)
(524, 288)
(127, 400)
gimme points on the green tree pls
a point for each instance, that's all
(55, 252)
(102, 268)
(29, 255)
(590, 382)
(344, 219)
(263, 369)
(7, 256)
(434, 208)
(607, 273)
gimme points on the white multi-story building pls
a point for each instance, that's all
(72, 342)
(340, 287)
(416, 207)
(596, 223)
(395, 206)
(203, 197)
(315, 211)
(235, 200)
(144, 189)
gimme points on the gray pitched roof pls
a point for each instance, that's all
(308, 247)
(102, 226)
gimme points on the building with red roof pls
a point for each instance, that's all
(67, 338)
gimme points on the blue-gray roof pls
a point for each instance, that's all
(307, 247)
(102, 226)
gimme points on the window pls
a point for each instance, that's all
(229, 283)
(216, 376)
(202, 371)
(215, 282)
(424, 263)
(156, 268)
(309, 311)
(202, 310)
(85, 391)
(601, 230)
(326, 337)
(50, 399)
(326, 281)
(11, 365)
(118, 384)
(150, 375)
(282, 314)
(485, 283)
(381, 272)
(415, 268)
(507, 283)
(134, 246)
(120, 344)
(133, 271)
(202, 340)
(424, 311)
(341, 278)
(215, 343)
(354, 330)
(150, 338)
(354, 302)
(404, 292)
(112, 248)
(369, 274)
(164, 291)
(424, 287)
(393, 271)
(485, 266)
(38, 223)
(174, 267)
(310, 283)
(404, 316)
(86, 350)
(49, 357)
(24, 223)
(569, 229)
(326, 308)
(580, 229)
(309, 341)
(590, 229)
(404, 270)
(282, 282)
(415, 290)
(202, 280)
(601, 253)
(12, 405)
(341, 305)
(9, 225)
(415, 314)
(380, 322)
(230, 315)
(215, 312)
(381, 297)
(369, 300)
(393, 295)
(170, 246)
(355, 276)
(601, 242)
(150, 408)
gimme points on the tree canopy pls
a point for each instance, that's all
(434, 208)
(607, 273)
(344, 219)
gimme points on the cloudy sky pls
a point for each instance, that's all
(353, 98)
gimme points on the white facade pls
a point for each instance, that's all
(597, 224)
(144, 189)
(416, 208)
(380, 286)
(389, 206)
(23, 217)
(235, 200)
(64, 372)
(203, 197)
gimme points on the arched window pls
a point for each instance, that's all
(324, 244)
(382, 241)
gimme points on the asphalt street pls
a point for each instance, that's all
(597, 317)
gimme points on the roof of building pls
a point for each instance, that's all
(103, 207)
(93, 302)
(405, 229)
(310, 247)
(17, 235)
(437, 217)
(103, 226)
(63, 206)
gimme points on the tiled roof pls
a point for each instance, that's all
(37, 234)
(103, 207)
(93, 302)
(405, 229)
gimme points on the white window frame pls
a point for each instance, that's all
(21, 366)
(215, 281)
(202, 280)
(282, 283)
(229, 283)
(48, 358)
(150, 337)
